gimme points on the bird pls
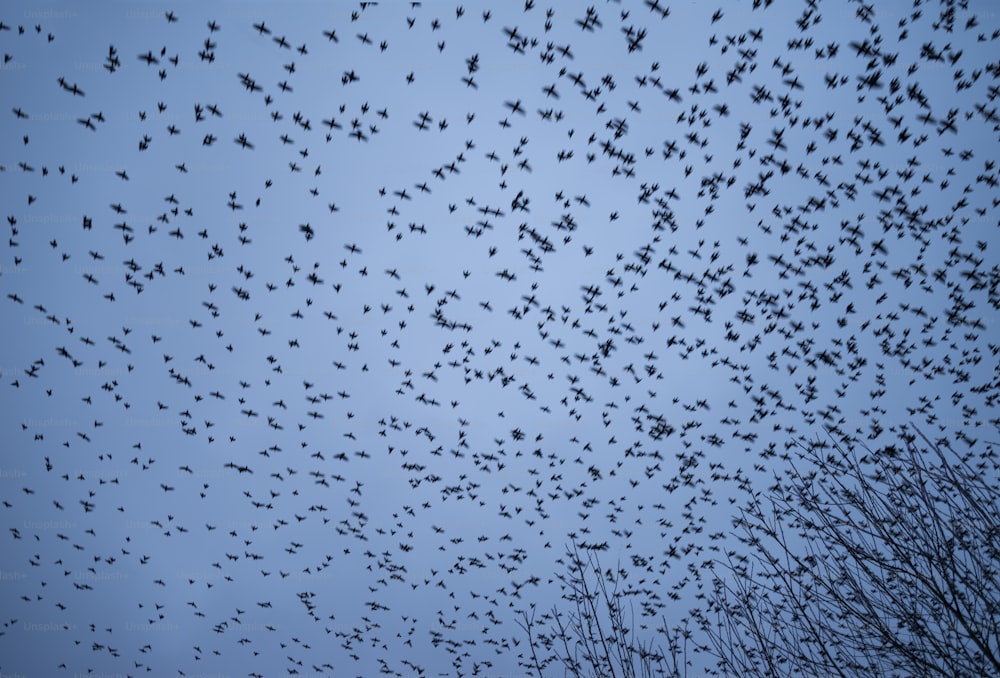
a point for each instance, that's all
(661, 257)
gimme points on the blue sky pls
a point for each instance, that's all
(565, 283)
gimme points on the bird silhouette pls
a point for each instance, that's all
(632, 256)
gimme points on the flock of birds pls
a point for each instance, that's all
(325, 335)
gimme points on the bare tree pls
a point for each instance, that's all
(861, 562)
(597, 635)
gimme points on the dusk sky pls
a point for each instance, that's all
(326, 329)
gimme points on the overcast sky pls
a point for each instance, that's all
(325, 330)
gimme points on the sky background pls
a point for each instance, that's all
(489, 280)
